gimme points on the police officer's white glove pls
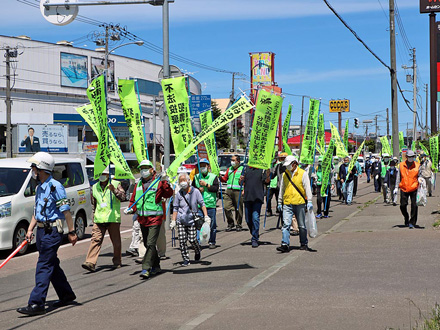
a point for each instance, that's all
(395, 191)
(173, 224)
(128, 211)
(385, 185)
(280, 208)
(309, 206)
(208, 219)
(376, 177)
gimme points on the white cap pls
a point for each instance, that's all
(289, 160)
(146, 162)
(385, 155)
(43, 161)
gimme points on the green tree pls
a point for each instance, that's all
(222, 134)
(371, 144)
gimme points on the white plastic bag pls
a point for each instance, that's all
(311, 226)
(205, 233)
(421, 193)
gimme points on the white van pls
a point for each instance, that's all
(17, 198)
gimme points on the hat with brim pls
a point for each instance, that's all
(289, 160)
(145, 162)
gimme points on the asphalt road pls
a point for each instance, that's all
(368, 273)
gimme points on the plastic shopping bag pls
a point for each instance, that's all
(421, 193)
(311, 226)
(205, 233)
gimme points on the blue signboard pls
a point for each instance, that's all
(76, 119)
(199, 104)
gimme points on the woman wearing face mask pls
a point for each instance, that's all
(184, 208)
(150, 211)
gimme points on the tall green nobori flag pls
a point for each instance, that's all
(346, 136)
(97, 95)
(321, 133)
(177, 102)
(401, 141)
(433, 147)
(132, 114)
(264, 129)
(309, 142)
(386, 149)
(286, 126)
(413, 146)
(423, 148)
(211, 150)
(355, 157)
(340, 150)
(327, 167)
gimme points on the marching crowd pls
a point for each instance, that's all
(194, 206)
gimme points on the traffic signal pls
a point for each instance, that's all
(356, 123)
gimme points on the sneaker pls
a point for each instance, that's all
(132, 252)
(138, 260)
(319, 216)
(145, 274)
(411, 226)
(88, 266)
(185, 263)
(116, 266)
(230, 228)
(155, 270)
(325, 216)
(239, 228)
(306, 248)
(197, 257)
(254, 244)
(212, 246)
(283, 248)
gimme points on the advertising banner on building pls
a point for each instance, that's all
(73, 70)
(48, 138)
(262, 68)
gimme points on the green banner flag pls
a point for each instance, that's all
(211, 149)
(320, 150)
(264, 129)
(122, 170)
(327, 167)
(321, 133)
(433, 147)
(355, 157)
(286, 124)
(287, 148)
(241, 106)
(132, 114)
(346, 136)
(177, 102)
(401, 141)
(340, 150)
(97, 95)
(386, 149)
(309, 142)
(423, 148)
(413, 146)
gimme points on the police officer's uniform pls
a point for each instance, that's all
(50, 203)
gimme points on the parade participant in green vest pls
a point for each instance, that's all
(151, 213)
(231, 197)
(208, 184)
(320, 200)
(106, 201)
(385, 165)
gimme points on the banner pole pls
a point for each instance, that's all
(151, 185)
(142, 121)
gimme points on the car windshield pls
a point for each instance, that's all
(224, 162)
(91, 169)
(11, 180)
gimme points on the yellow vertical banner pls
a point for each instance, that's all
(211, 149)
(96, 92)
(340, 149)
(176, 99)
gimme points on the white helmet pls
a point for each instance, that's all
(107, 170)
(42, 161)
(146, 162)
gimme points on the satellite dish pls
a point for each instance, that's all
(174, 72)
(59, 15)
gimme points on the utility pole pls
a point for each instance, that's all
(231, 101)
(388, 123)
(340, 123)
(377, 138)
(433, 70)
(154, 131)
(426, 108)
(301, 126)
(394, 110)
(414, 95)
(10, 53)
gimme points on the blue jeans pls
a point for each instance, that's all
(368, 172)
(300, 213)
(252, 213)
(348, 191)
(212, 214)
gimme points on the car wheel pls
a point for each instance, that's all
(80, 225)
(19, 236)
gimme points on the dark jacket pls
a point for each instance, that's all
(391, 177)
(254, 181)
(343, 173)
(35, 147)
(377, 168)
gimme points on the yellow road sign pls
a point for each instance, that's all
(340, 106)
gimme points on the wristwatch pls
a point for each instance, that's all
(71, 232)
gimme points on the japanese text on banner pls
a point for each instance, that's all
(433, 147)
(321, 134)
(309, 141)
(386, 149)
(340, 149)
(122, 170)
(211, 149)
(241, 106)
(355, 158)
(132, 114)
(346, 136)
(96, 94)
(264, 129)
(286, 126)
(327, 167)
(177, 102)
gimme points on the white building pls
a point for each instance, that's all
(50, 81)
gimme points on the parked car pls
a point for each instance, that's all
(17, 198)
(126, 184)
(361, 162)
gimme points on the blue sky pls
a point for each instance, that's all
(315, 54)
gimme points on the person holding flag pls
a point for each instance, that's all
(385, 164)
(208, 184)
(322, 199)
(231, 197)
(426, 171)
(347, 180)
(274, 186)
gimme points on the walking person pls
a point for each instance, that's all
(337, 179)
(356, 176)
(136, 238)
(106, 201)
(231, 197)
(376, 170)
(150, 208)
(407, 181)
(368, 166)
(274, 180)
(51, 208)
(385, 164)
(185, 205)
(253, 182)
(208, 184)
(295, 196)
(347, 180)
(426, 172)
(320, 200)
(391, 180)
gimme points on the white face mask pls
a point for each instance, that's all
(289, 167)
(233, 164)
(103, 178)
(183, 184)
(204, 170)
(145, 173)
(34, 175)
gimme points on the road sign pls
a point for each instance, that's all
(199, 104)
(339, 106)
(429, 6)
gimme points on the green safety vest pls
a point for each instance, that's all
(384, 169)
(234, 178)
(274, 181)
(146, 206)
(319, 176)
(210, 198)
(106, 210)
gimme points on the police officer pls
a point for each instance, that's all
(51, 207)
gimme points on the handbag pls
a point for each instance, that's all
(198, 220)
